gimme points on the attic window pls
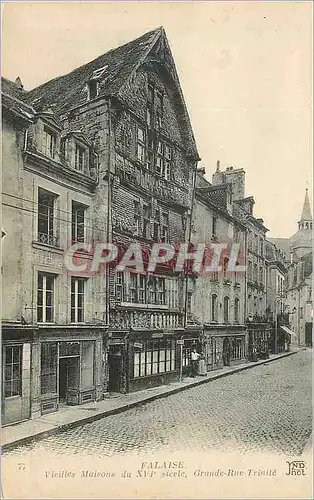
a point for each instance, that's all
(98, 72)
(92, 89)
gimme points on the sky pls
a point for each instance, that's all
(245, 70)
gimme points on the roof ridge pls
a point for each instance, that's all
(91, 61)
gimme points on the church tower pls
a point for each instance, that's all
(301, 241)
(306, 218)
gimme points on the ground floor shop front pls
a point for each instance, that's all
(45, 368)
(67, 368)
(16, 373)
(224, 346)
(262, 340)
(138, 359)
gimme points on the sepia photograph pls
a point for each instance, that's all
(156, 249)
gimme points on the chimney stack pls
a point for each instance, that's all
(218, 166)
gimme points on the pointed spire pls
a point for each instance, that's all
(306, 212)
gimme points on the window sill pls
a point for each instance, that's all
(45, 246)
(17, 396)
(143, 306)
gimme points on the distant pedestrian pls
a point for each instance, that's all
(194, 361)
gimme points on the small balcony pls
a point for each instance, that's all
(48, 239)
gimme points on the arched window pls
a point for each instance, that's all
(236, 310)
(226, 309)
(214, 308)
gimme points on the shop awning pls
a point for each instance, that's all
(288, 333)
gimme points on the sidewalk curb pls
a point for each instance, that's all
(107, 413)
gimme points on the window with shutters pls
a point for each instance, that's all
(49, 143)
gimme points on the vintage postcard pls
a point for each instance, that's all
(156, 249)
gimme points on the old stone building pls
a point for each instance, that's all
(105, 153)
(259, 329)
(276, 310)
(51, 327)
(298, 286)
(218, 298)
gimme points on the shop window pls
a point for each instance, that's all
(87, 365)
(226, 309)
(237, 349)
(49, 358)
(77, 300)
(78, 222)
(80, 158)
(49, 143)
(156, 356)
(189, 345)
(46, 218)
(140, 153)
(45, 297)
(214, 308)
(13, 371)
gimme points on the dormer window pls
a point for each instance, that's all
(49, 143)
(92, 89)
(80, 155)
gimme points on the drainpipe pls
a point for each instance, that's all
(25, 139)
(189, 241)
(245, 288)
(108, 209)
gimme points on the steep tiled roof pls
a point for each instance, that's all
(10, 88)
(283, 244)
(11, 100)
(112, 71)
(65, 91)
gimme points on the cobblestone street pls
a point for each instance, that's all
(267, 408)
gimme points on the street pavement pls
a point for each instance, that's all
(267, 409)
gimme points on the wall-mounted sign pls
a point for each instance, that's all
(138, 345)
(116, 342)
(180, 342)
(157, 335)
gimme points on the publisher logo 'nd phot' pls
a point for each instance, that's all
(296, 468)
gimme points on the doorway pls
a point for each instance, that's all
(115, 368)
(68, 377)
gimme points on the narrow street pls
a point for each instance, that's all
(267, 408)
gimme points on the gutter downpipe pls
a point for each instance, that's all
(189, 240)
(108, 208)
